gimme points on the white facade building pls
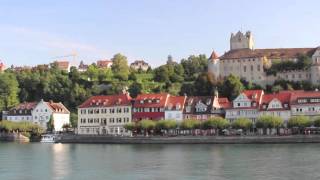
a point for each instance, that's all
(40, 113)
(251, 64)
(105, 115)
(174, 108)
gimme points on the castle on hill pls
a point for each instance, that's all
(261, 66)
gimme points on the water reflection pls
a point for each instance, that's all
(60, 161)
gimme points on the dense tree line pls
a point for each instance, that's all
(188, 77)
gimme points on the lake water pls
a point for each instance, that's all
(90, 161)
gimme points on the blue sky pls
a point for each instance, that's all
(34, 32)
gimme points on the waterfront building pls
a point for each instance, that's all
(277, 104)
(82, 67)
(253, 65)
(140, 64)
(150, 106)
(62, 65)
(40, 113)
(246, 105)
(205, 107)
(104, 64)
(105, 115)
(305, 103)
(174, 108)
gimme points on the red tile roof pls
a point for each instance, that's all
(224, 103)
(283, 97)
(151, 100)
(62, 64)
(214, 55)
(104, 63)
(107, 101)
(58, 107)
(26, 106)
(304, 95)
(253, 95)
(282, 53)
(176, 102)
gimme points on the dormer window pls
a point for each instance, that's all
(264, 106)
(141, 101)
(254, 104)
(285, 105)
(149, 101)
(157, 100)
(170, 106)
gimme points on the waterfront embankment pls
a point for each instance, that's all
(190, 139)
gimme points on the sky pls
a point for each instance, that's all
(38, 32)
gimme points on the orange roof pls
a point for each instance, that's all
(224, 102)
(104, 63)
(283, 97)
(176, 102)
(253, 95)
(25, 106)
(269, 53)
(214, 55)
(304, 95)
(62, 64)
(151, 100)
(58, 107)
(107, 101)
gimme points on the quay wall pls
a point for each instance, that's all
(190, 139)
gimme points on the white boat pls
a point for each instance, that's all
(48, 138)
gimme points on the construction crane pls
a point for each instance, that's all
(74, 55)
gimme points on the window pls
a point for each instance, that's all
(245, 68)
(251, 68)
(258, 67)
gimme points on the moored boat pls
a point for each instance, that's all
(48, 138)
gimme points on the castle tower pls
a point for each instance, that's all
(241, 41)
(315, 68)
(213, 64)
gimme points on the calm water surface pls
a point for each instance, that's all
(87, 161)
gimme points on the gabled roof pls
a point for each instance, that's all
(104, 63)
(107, 101)
(214, 55)
(192, 101)
(25, 106)
(57, 107)
(253, 95)
(151, 100)
(175, 102)
(283, 97)
(304, 95)
(62, 64)
(224, 103)
(282, 53)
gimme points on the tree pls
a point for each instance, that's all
(166, 124)
(135, 89)
(299, 122)
(50, 124)
(216, 123)
(9, 89)
(120, 67)
(190, 124)
(269, 122)
(193, 66)
(242, 123)
(231, 87)
(146, 125)
(316, 122)
(204, 85)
